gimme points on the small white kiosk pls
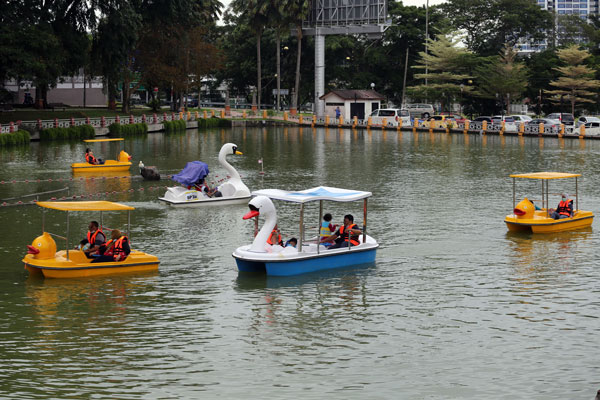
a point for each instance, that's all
(359, 103)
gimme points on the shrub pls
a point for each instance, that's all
(19, 137)
(213, 123)
(118, 130)
(154, 105)
(71, 133)
(175, 126)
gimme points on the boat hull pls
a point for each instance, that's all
(182, 197)
(79, 266)
(302, 263)
(108, 166)
(542, 224)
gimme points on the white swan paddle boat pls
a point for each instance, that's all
(233, 191)
(309, 256)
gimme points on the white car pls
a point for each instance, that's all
(584, 120)
(509, 122)
(521, 118)
(392, 116)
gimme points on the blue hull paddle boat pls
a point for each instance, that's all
(309, 256)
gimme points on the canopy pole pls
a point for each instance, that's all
(365, 221)
(101, 220)
(67, 235)
(514, 196)
(576, 195)
(43, 220)
(129, 226)
(543, 200)
(547, 201)
(319, 225)
(301, 227)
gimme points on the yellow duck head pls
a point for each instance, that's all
(525, 209)
(42, 247)
(124, 157)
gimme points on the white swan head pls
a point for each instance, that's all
(227, 149)
(262, 205)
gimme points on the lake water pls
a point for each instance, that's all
(454, 307)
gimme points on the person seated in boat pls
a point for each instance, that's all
(348, 232)
(202, 186)
(90, 159)
(564, 209)
(116, 249)
(327, 229)
(275, 237)
(535, 205)
(293, 242)
(94, 240)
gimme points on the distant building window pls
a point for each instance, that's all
(334, 104)
(375, 106)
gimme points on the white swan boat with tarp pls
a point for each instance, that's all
(233, 191)
(309, 256)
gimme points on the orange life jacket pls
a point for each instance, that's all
(90, 158)
(354, 238)
(91, 237)
(118, 248)
(563, 207)
(270, 239)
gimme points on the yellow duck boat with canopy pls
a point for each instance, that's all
(44, 258)
(526, 217)
(123, 162)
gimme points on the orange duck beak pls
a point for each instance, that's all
(518, 211)
(32, 250)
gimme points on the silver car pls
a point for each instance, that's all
(584, 120)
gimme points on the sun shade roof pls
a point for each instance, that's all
(103, 140)
(314, 194)
(546, 175)
(84, 206)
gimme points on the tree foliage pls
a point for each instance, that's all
(575, 82)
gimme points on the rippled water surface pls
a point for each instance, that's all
(454, 307)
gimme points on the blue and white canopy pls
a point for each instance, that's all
(314, 194)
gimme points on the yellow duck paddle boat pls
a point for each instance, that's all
(525, 217)
(123, 163)
(43, 258)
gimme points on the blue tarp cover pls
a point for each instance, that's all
(192, 173)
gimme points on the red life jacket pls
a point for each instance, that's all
(270, 239)
(563, 207)
(90, 158)
(91, 237)
(353, 239)
(118, 248)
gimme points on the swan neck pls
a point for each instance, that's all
(232, 172)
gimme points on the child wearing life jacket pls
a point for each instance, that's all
(327, 229)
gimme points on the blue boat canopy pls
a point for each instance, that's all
(192, 173)
(314, 194)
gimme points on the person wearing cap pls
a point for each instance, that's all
(564, 209)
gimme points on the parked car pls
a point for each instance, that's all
(420, 110)
(584, 120)
(509, 122)
(457, 118)
(392, 115)
(440, 121)
(521, 118)
(548, 123)
(191, 102)
(483, 118)
(563, 118)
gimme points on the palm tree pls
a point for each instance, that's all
(256, 13)
(296, 12)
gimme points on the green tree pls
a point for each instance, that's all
(446, 71)
(575, 83)
(296, 12)
(502, 78)
(489, 24)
